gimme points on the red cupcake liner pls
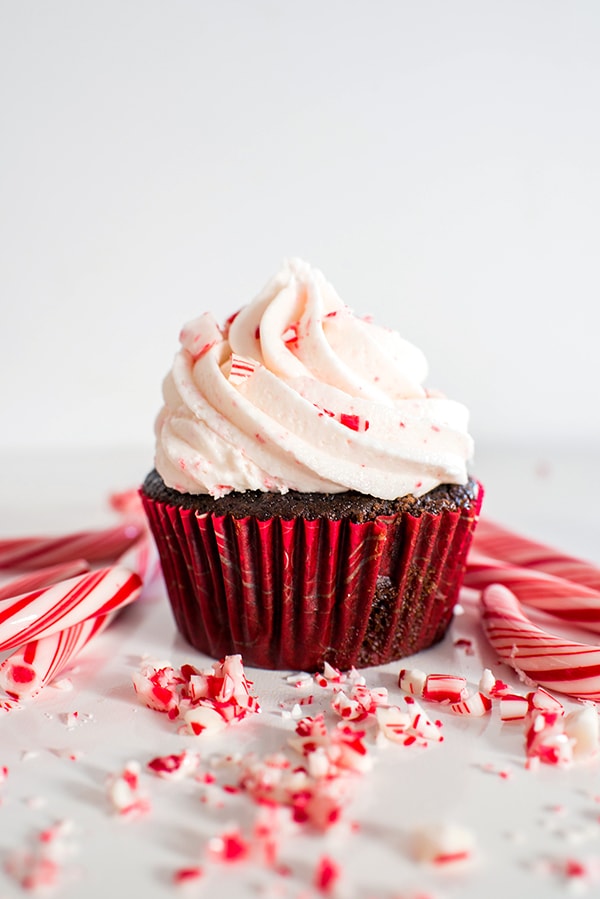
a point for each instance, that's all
(292, 594)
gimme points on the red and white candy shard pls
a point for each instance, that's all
(124, 793)
(558, 664)
(545, 738)
(229, 847)
(361, 703)
(48, 610)
(200, 335)
(24, 673)
(241, 368)
(443, 845)
(407, 726)
(474, 706)
(412, 680)
(447, 688)
(175, 766)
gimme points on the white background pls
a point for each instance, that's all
(439, 161)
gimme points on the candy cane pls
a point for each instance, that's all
(24, 673)
(571, 602)
(549, 660)
(492, 539)
(46, 611)
(27, 553)
(43, 578)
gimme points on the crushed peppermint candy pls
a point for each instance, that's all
(206, 701)
(43, 867)
(175, 766)
(124, 792)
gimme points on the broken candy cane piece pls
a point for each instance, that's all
(545, 738)
(557, 664)
(175, 766)
(229, 847)
(442, 845)
(474, 706)
(361, 702)
(541, 699)
(48, 610)
(204, 719)
(124, 794)
(43, 577)
(241, 368)
(513, 707)
(347, 708)
(330, 675)
(393, 723)
(158, 685)
(200, 335)
(494, 540)
(407, 726)
(29, 553)
(582, 727)
(24, 673)
(491, 685)
(567, 600)
(412, 680)
(444, 688)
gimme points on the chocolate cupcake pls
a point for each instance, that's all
(311, 500)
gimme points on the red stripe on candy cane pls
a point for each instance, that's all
(558, 664)
(30, 553)
(43, 577)
(43, 612)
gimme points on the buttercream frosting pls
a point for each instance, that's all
(296, 392)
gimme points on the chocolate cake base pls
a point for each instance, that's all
(293, 580)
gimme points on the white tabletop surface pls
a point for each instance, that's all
(525, 826)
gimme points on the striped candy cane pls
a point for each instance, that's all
(43, 577)
(557, 664)
(24, 673)
(493, 540)
(49, 610)
(573, 603)
(29, 553)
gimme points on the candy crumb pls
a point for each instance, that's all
(187, 875)
(443, 845)
(327, 874)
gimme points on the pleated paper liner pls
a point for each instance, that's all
(291, 594)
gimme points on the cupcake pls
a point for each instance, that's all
(311, 501)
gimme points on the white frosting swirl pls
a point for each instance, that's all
(297, 393)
